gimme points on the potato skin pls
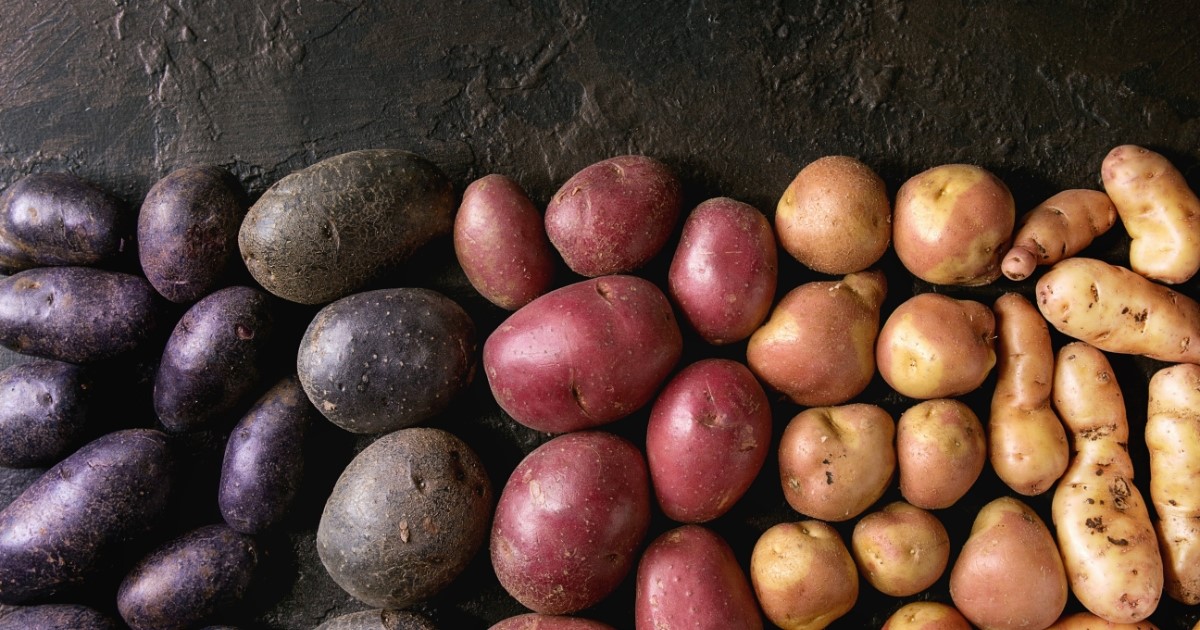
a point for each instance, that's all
(708, 436)
(58, 219)
(387, 359)
(500, 242)
(393, 539)
(940, 452)
(44, 412)
(901, 550)
(803, 575)
(925, 615)
(570, 521)
(1173, 440)
(81, 511)
(1058, 228)
(188, 580)
(54, 617)
(1088, 621)
(615, 215)
(326, 231)
(689, 578)
(536, 621)
(584, 355)
(187, 231)
(379, 620)
(934, 346)
(724, 271)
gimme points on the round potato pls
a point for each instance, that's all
(536, 621)
(940, 451)
(803, 575)
(689, 578)
(379, 620)
(901, 549)
(934, 346)
(923, 615)
(45, 412)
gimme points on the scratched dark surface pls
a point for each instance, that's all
(736, 96)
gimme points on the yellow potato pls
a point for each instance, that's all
(901, 549)
(1173, 438)
(1088, 621)
(923, 615)
(934, 346)
(803, 575)
(1058, 228)
(940, 452)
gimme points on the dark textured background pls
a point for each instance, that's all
(736, 96)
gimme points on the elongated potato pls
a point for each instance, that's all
(58, 219)
(1173, 438)
(1058, 228)
(1103, 527)
(1027, 444)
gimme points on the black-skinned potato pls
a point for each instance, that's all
(44, 411)
(58, 219)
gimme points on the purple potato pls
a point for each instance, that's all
(44, 409)
(187, 231)
(264, 459)
(379, 620)
(213, 359)
(58, 219)
(188, 580)
(67, 523)
(76, 314)
(54, 617)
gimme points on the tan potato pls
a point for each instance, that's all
(1058, 228)
(835, 216)
(952, 225)
(940, 452)
(818, 347)
(934, 346)
(1117, 310)
(1088, 621)
(901, 550)
(803, 575)
(1027, 444)
(1160, 212)
(834, 462)
(1104, 532)
(1173, 439)
(922, 615)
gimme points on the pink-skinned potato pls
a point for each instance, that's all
(940, 452)
(584, 355)
(901, 550)
(803, 575)
(707, 439)
(536, 621)
(926, 615)
(934, 346)
(724, 271)
(689, 578)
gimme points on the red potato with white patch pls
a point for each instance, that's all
(707, 439)
(934, 346)
(940, 452)
(901, 550)
(803, 575)
(923, 615)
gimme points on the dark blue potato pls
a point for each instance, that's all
(187, 231)
(44, 409)
(213, 359)
(58, 219)
(264, 459)
(189, 580)
(76, 314)
(379, 620)
(387, 359)
(67, 523)
(54, 617)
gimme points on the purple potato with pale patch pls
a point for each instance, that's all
(54, 617)
(44, 412)
(54, 219)
(379, 620)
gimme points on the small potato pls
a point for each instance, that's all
(923, 615)
(724, 271)
(952, 225)
(379, 620)
(934, 346)
(1088, 621)
(689, 578)
(1058, 228)
(500, 242)
(803, 575)
(1173, 439)
(834, 462)
(45, 412)
(58, 219)
(835, 216)
(536, 621)
(54, 617)
(615, 215)
(901, 550)
(940, 452)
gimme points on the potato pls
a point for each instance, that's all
(1088, 621)
(940, 452)
(818, 348)
(803, 575)
(1027, 444)
(1116, 310)
(264, 459)
(214, 359)
(1008, 575)
(405, 517)
(82, 512)
(1160, 212)
(379, 620)
(76, 314)
(835, 216)
(188, 580)
(570, 521)
(1173, 439)
(45, 412)
(925, 615)
(187, 231)
(689, 578)
(834, 462)
(901, 550)
(500, 242)
(54, 617)
(535, 621)
(1058, 228)
(708, 436)
(724, 271)
(328, 230)
(615, 215)
(952, 224)
(58, 219)
(1104, 532)
(934, 346)
(584, 355)
(387, 359)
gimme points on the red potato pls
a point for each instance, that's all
(803, 575)
(1173, 439)
(940, 452)
(535, 621)
(934, 346)
(901, 550)
(923, 615)
(1058, 228)
(724, 270)
(500, 242)
(689, 578)
(708, 436)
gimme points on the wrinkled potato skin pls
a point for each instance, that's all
(834, 462)
(923, 615)
(54, 617)
(1173, 439)
(803, 575)
(835, 217)
(1088, 621)
(379, 620)
(58, 219)
(940, 452)
(934, 346)
(1056, 229)
(535, 621)
(901, 550)
(45, 412)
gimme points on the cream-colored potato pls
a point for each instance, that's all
(901, 550)
(1058, 228)
(940, 452)
(1173, 439)
(922, 615)
(934, 346)
(803, 575)
(1088, 621)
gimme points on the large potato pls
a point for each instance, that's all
(901, 550)
(940, 452)
(934, 346)
(803, 575)
(58, 219)
(45, 412)
(1173, 439)
(584, 355)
